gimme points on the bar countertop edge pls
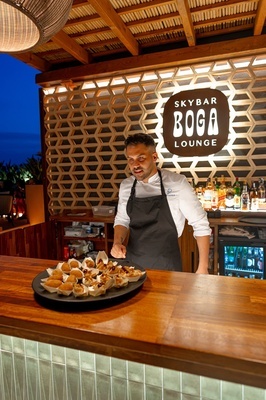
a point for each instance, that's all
(202, 324)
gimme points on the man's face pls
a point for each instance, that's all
(141, 161)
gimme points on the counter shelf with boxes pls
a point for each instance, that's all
(81, 238)
(91, 230)
(83, 232)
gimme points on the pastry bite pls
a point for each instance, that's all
(65, 288)
(80, 290)
(51, 285)
(55, 273)
(132, 273)
(101, 266)
(74, 263)
(52, 282)
(77, 273)
(65, 267)
(120, 281)
(88, 280)
(96, 289)
(105, 280)
(113, 269)
(101, 258)
(88, 263)
(71, 278)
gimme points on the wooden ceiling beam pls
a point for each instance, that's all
(260, 17)
(185, 15)
(167, 41)
(33, 60)
(72, 47)
(83, 20)
(184, 56)
(112, 19)
(198, 25)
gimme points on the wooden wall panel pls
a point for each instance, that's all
(35, 241)
(86, 126)
(12, 243)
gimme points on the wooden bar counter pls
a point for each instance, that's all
(202, 324)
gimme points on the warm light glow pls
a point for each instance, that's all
(11, 38)
(221, 66)
(103, 83)
(26, 24)
(184, 71)
(133, 79)
(260, 60)
(241, 63)
(118, 81)
(88, 85)
(48, 91)
(166, 74)
(149, 77)
(203, 69)
(61, 89)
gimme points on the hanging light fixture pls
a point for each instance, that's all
(25, 24)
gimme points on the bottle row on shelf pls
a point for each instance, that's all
(219, 195)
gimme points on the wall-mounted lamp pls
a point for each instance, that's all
(25, 24)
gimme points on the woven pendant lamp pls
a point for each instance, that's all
(25, 24)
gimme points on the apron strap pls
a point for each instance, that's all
(133, 189)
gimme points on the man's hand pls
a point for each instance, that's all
(118, 250)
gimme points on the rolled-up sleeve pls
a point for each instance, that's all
(192, 210)
(122, 217)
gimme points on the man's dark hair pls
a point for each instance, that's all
(138, 138)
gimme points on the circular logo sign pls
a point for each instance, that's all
(196, 122)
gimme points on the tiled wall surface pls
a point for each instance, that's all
(86, 126)
(36, 371)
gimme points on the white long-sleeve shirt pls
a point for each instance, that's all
(183, 202)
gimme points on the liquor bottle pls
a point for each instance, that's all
(199, 192)
(261, 191)
(215, 197)
(254, 200)
(208, 194)
(221, 194)
(237, 196)
(229, 197)
(216, 184)
(244, 205)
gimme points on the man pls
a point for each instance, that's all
(152, 209)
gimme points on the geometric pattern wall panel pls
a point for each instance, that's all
(86, 126)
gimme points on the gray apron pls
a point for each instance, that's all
(153, 238)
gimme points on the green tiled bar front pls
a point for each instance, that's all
(37, 371)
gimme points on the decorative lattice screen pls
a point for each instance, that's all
(86, 126)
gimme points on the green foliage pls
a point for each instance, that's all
(28, 172)
(33, 167)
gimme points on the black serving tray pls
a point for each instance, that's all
(72, 303)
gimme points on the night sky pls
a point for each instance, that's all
(19, 111)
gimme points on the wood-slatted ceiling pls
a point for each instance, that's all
(100, 31)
